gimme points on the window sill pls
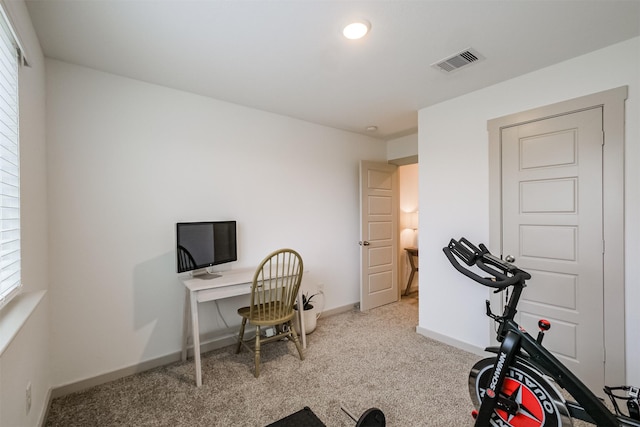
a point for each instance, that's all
(15, 314)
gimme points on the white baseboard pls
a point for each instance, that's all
(452, 342)
(45, 411)
(207, 344)
(337, 310)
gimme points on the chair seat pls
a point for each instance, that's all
(268, 315)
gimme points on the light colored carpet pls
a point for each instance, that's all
(363, 360)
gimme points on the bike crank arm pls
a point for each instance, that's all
(492, 393)
(503, 403)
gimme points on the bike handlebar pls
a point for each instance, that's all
(503, 274)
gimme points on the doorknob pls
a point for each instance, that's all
(509, 258)
(365, 243)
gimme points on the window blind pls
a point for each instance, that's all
(10, 258)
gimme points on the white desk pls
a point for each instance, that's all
(231, 283)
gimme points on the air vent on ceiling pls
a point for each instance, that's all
(459, 60)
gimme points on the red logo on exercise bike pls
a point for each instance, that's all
(530, 413)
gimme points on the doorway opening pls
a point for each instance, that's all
(408, 229)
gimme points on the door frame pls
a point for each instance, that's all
(612, 103)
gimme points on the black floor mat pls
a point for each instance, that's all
(304, 417)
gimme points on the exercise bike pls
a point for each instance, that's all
(519, 386)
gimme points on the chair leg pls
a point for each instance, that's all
(294, 336)
(257, 352)
(241, 335)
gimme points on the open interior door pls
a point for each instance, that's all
(379, 234)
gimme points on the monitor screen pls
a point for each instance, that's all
(204, 244)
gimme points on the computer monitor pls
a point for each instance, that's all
(200, 245)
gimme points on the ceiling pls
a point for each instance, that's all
(290, 58)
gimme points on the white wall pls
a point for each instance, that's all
(454, 190)
(26, 358)
(127, 160)
(404, 146)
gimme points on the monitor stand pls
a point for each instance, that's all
(204, 274)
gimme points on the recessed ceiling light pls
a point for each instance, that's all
(356, 30)
(372, 128)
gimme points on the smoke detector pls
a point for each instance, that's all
(459, 60)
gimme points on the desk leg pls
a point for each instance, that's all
(195, 331)
(303, 335)
(413, 273)
(410, 281)
(186, 318)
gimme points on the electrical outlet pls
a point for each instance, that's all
(28, 397)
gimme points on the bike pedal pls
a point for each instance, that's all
(474, 414)
(634, 410)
